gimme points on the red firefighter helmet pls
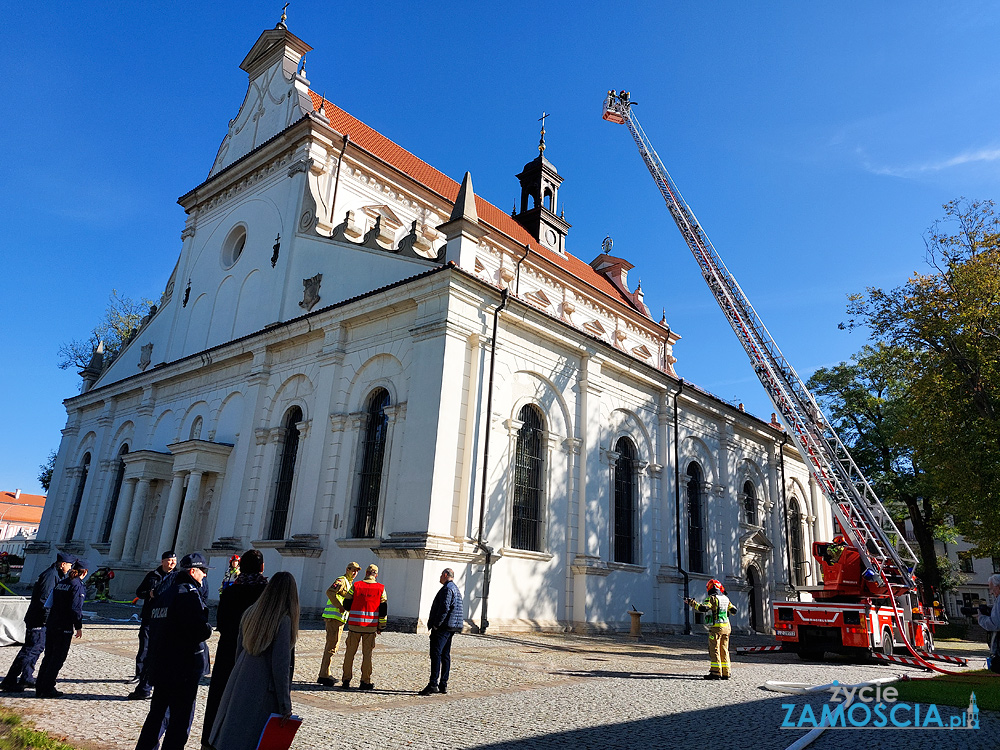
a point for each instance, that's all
(234, 561)
(715, 583)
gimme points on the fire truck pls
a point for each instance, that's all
(868, 604)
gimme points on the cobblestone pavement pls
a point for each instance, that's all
(506, 692)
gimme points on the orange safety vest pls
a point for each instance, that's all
(364, 608)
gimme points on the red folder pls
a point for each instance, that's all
(277, 737)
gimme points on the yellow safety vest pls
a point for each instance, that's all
(336, 611)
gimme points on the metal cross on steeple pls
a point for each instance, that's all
(284, 14)
(541, 141)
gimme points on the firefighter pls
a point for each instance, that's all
(335, 618)
(366, 619)
(717, 610)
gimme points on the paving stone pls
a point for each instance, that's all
(507, 691)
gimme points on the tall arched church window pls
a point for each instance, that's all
(373, 437)
(795, 542)
(286, 475)
(696, 522)
(78, 497)
(750, 503)
(115, 492)
(625, 501)
(529, 462)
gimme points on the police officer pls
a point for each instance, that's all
(22, 671)
(717, 610)
(146, 592)
(178, 628)
(65, 616)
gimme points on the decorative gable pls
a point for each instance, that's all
(595, 328)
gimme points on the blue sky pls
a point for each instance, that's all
(815, 142)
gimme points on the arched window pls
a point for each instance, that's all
(115, 492)
(526, 524)
(750, 503)
(373, 438)
(795, 542)
(547, 198)
(78, 498)
(286, 475)
(625, 501)
(696, 549)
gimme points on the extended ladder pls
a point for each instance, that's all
(885, 553)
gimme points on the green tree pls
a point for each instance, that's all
(948, 320)
(45, 471)
(120, 320)
(868, 401)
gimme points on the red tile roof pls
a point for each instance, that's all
(23, 509)
(422, 172)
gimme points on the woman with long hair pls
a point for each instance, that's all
(261, 681)
(235, 599)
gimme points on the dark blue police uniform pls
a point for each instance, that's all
(65, 617)
(178, 626)
(22, 670)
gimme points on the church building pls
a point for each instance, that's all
(358, 358)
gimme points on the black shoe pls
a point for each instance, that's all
(725, 677)
(366, 686)
(345, 685)
(429, 690)
(713, 676)
(49, 693)
(11, 688)
(138, 695)
(326, 681)
(443, 689)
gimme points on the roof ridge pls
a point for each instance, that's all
(436, 181)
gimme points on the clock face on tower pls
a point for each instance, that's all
(550, 237)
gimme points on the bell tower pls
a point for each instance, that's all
(539, 211)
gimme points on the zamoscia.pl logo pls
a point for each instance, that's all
(854, 707)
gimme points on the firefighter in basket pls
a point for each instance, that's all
(717, 610)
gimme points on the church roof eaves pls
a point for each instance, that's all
(378, 145)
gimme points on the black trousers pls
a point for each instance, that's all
(440, 656)
(57, 644)
(170, 714)
(23, 668)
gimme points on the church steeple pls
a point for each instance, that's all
(538, 213)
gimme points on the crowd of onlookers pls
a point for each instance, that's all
(258, 624)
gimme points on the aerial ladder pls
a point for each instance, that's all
(884, 560)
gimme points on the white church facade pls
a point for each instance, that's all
(357, 358)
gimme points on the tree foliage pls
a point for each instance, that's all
(45, 471)
(121, 318)
(947, 320)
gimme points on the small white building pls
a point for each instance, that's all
(20, 515)
(349, 337)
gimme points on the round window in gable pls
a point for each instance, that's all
(232, 248)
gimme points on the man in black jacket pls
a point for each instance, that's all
(146, 592)
(22, 671)
(446, 618)
(178, 626)
(65, 616)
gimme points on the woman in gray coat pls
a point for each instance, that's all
(261, 681)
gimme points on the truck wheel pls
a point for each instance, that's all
(887, 648)
(928, 641)
(811, 654)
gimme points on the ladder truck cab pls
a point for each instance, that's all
(868, 603)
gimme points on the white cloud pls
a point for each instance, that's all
(912, 170)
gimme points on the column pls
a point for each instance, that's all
(121, 518)
(170, 514)
(135, 519)
(189, 512)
